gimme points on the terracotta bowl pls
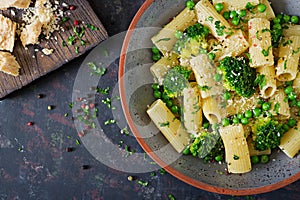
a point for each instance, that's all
(136, 95)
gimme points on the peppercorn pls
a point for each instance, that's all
(69, 149)
(84, 167)
(29, 123)
(72, 7)
(76, 22)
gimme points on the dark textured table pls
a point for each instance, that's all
(35, 162)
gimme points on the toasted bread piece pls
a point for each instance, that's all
(7, 33)
(30, 34)
(4, 4)
(8, 64)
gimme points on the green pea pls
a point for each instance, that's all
(225, 122)
(226, 15)
(279, 16)
(293, 103)
(165, 97)
(186, 151)
(175, 109)
(226, 95)
(292, 122)
(248, 114)
(244, 121)
(288, 90)
(257, 112)
(294, 19)
(155, 86)
(260, 101)
(266, 106)
(286, 127)
(218, 158)
(254, 159)
(190, 4)
(169, 103)
(276, 20)
(178, 34)
(219, 7)
(157, 94)
(277, 26)
(233, 14)
(292, 96)
(211, 56)
(264, 159)
(156, 57)
(239, 116)
(218, 77)
(235, 21)
(206, 125)
(261, 8)
(155, 50)
(242, 13)
(286, 18)
(235, 120)
(288, 83)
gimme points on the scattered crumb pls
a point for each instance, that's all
(47, 52)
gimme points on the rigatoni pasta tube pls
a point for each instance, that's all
(287, 66)
(166, 39)
(161, 67)
(233, 46)
(236, 4)
(192, 109)
(236, 149)
(279, 106)
(238, 104)
(260, 50)
(212, 110)
(268, 86)
(208, 16)
(169, 125)
(291, 30)
(296, 84)
(290, 142)
(204, 72)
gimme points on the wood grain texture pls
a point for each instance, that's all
(35, 64)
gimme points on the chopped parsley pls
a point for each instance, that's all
(143, 183)
(295, 52)
(276, 108)
(94, 28)
(265, 30)
(164, 124)
(103, 91)
(96, 70)
(235, 157)
(266, 52)
(284, 64)
(219, 28)
(287, 43)
(110, 121)
(204, 88)
(261, 81)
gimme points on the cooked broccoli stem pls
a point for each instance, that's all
(238, 76)
(267, 133)
(176, 80)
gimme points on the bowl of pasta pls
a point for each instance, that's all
(211, 91)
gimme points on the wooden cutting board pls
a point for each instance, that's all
(35, 64)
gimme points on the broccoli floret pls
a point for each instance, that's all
(192, 41)
(176, 80)
(267, 133)
(207, 145)
(238, 76)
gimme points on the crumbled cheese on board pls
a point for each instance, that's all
(7, 33)
(30, 34)
(8, 64)
(47, 52)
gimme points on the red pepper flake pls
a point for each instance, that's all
(79, 99)
(240, 37)
(250, 27)
(255, 45)
(72, 7)
(76, 22)
(92, 105)
(80, 134)
(30, 124)
(83, 106)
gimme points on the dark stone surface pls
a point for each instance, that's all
(35, 162)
